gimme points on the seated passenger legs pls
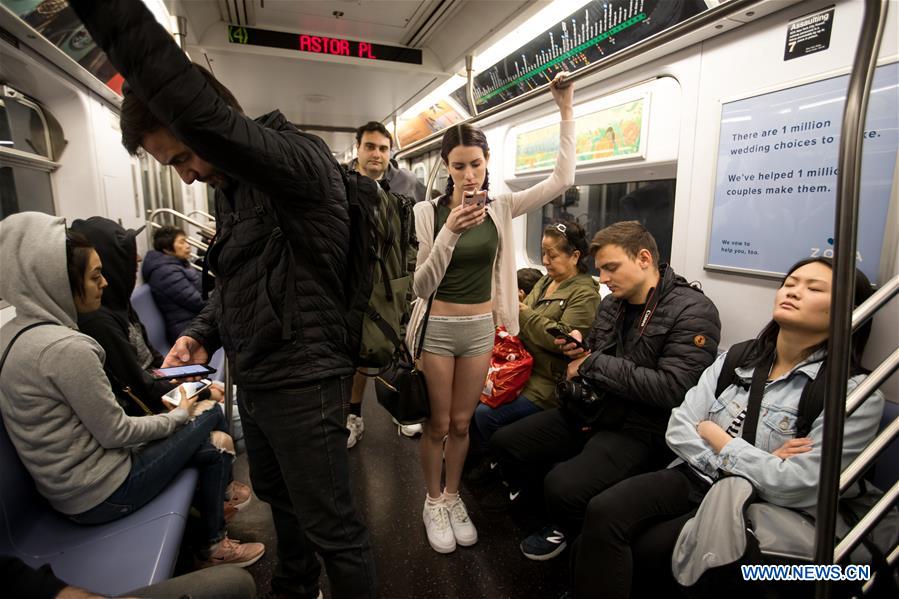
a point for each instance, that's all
(651, 339)
(565, 298)
(630, 530)
(90, 460)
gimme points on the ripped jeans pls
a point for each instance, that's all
(155, 465)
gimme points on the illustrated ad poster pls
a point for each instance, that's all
(609, 134)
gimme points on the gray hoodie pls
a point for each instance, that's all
(57, 406)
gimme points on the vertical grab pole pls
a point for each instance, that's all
(845, 243)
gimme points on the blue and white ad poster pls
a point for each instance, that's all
(775, 191)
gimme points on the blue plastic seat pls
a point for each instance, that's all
(151, 317)
(135, 551)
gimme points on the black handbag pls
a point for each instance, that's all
(401, 386)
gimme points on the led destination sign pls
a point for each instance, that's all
(319, 44)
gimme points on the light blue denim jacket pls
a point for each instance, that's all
(789, 483)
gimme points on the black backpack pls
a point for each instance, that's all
(362, 197)
(390, 302)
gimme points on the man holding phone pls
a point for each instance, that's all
(653, 336)
(280, 258)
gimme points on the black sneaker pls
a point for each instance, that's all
(484, 473)
(501, 498)
(544, 545)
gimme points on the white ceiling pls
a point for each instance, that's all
(332, 91)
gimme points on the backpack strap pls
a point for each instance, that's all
(19, 334)
(756, 393)
(735, 356)
(424, 324)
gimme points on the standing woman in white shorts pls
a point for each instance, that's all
(471, 267)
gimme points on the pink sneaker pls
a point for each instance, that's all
(238, 495)
(234, 553)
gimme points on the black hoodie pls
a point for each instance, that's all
(110, 324)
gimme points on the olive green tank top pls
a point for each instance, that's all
(469, 276)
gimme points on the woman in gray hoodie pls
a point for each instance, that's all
(90, 460)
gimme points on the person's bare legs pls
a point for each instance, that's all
(468, 383)
(438, 372)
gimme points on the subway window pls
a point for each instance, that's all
(25, 156)
(598, 206)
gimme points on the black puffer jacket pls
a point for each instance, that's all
(177, 290)
(649, 368)
(277, 174)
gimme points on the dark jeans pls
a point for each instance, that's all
(296, 445)
(488, 420)
(578, 464)
(629, 534)
(155, 465)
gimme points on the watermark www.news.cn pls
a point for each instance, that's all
(806, 572)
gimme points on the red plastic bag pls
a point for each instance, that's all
(510, 369)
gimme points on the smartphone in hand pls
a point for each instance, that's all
(173, 397)
(182, 372)
(472, 198)
(560, 334)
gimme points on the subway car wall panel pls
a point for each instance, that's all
(703, 174)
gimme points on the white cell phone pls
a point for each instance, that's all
(470, 198)
(173, 397)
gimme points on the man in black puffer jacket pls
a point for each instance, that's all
(651, 339)
(280, 259)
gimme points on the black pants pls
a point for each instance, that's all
(573, 465)
(296, 444)
(629, 534)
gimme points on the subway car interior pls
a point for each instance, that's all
(750, 146)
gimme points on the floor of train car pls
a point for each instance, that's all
(388, 488)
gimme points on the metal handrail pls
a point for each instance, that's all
(695, 23)
(891, 559)
(874, 303)
(872, 382)
(208, 216)
(180, 216)
(864, 526)
(858, 466)
(846, 228)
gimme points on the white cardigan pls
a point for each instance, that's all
(434, 255)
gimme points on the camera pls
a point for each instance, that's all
(590, 406)
(579, 398)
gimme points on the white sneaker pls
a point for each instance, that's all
(410, 430)
(437, 525)
(463, 530)
(356, 427)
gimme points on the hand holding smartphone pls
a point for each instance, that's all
(191, 390)
(472, 198)
(182, 372)
(560, 334)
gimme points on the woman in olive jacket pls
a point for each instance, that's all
(567, 298)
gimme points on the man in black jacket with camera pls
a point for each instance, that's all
(281, 261)
(651, 339)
